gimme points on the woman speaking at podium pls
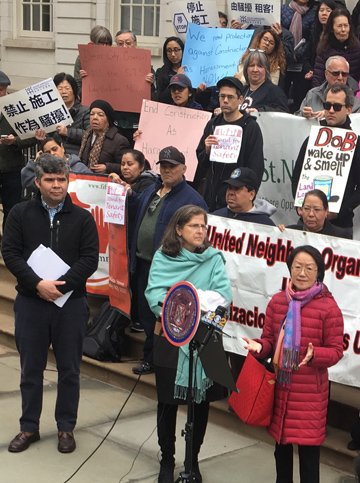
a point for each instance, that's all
(185, 255)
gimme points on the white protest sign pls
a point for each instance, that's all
(255, 12)
(327, 164)
(229, 138)
(256, 264)
(183, 13)
(36, 107)
(115, 204)
(166, 125)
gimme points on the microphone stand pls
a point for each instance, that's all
(188, 476)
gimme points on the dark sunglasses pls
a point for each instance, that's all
(336, 73)
(336, 106)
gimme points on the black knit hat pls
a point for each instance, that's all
(104, 106)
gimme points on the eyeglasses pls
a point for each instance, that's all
(308, 209)
(198, 227)
(307, 270)
(336, 73)
(153, 205)
(176, 50)
(129, 43)
(177, 88)
(268, 41)
(257, 50)
(66, 89)
(225, 96)
(336, 106)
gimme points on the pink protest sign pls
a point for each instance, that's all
(116, 75)
(166, 125)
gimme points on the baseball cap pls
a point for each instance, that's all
(232, 81)
(4, 80)
(243, 177)
(172, 155)
(181, 80)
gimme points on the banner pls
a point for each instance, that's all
(116, 75)
(39, 106)
(256, 264)
(256, 12)
(166, 125)
(88, 191)
(211, 54)
(183, 13)
(328, 157)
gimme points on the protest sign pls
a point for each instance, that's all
(39, 106)
(183, 13)
(256, 264)
(115, 204)
(255, 12)
(116, 75)
(166, 125)
(327, 164)
(229, 138)
(210, 55)
(88, 191)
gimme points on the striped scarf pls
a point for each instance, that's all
(287, 350)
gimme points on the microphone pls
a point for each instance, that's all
(215, 321)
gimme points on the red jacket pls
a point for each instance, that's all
(300, 412)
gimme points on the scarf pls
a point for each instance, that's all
(95, 151)
(296, 22)
(287, 350)
(200, 382)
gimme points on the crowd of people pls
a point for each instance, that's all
(310, 66)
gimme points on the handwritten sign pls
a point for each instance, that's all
(165, 125)
(255, 12)
(210, 54)
(183, 13)
(328, 157)
(116, 75)
(39, 106)
(229, 139)
(115, 204)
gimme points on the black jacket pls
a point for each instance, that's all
(351, 197)
(73, 237)
(251, 155)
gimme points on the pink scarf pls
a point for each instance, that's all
(296, 22)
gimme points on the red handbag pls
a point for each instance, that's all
(254, 403)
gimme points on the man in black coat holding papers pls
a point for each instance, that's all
(339, 100)
(251, 147)
(51, 220)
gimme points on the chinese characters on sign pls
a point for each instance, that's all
(258, 12)
(200, 13)
(36, 107)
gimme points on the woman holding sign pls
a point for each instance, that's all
(303, 333)
(185, 254)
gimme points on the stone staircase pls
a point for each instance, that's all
(343, 407)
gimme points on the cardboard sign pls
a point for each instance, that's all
(183, 13)
(229, 138)
(165, 125)
(116, 75)
(39, 106)
(256, 12)
(328, 157)
(211, 54)
(115, 204)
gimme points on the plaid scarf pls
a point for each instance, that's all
(95, 150)
(287, 350)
